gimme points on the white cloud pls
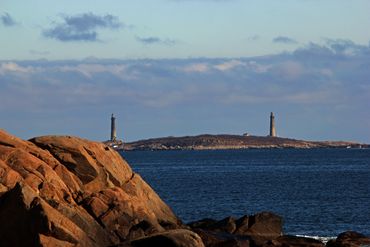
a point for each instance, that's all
(12, 67)
(196, 67)
(89, 70)
(228, 65)
(258, 68)
(214, 81)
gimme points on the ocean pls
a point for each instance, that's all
(318, 192)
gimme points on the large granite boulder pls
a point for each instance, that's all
(67, 191)
(350, 239)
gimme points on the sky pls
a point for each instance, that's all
(185, 67)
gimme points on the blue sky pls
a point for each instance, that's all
(192, 28)
(184, 67)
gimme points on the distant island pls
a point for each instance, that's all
(223, 142)
(219, 142)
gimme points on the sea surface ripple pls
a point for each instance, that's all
(318, 192)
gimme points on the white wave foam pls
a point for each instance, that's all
(322, 239)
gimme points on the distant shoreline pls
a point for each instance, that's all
(227, 142)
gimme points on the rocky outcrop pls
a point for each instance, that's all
(349, 239)
(67, 191)
(255, 230)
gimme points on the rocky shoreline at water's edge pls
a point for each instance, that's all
(68, 191)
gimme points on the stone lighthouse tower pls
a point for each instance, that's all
(272, 125)
(113, 134)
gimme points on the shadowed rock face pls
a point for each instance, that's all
(174, 238)
(67, 191)
(248, 230)
(350, 239)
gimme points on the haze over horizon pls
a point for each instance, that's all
(186, 67)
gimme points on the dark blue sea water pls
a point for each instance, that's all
(318, 192)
